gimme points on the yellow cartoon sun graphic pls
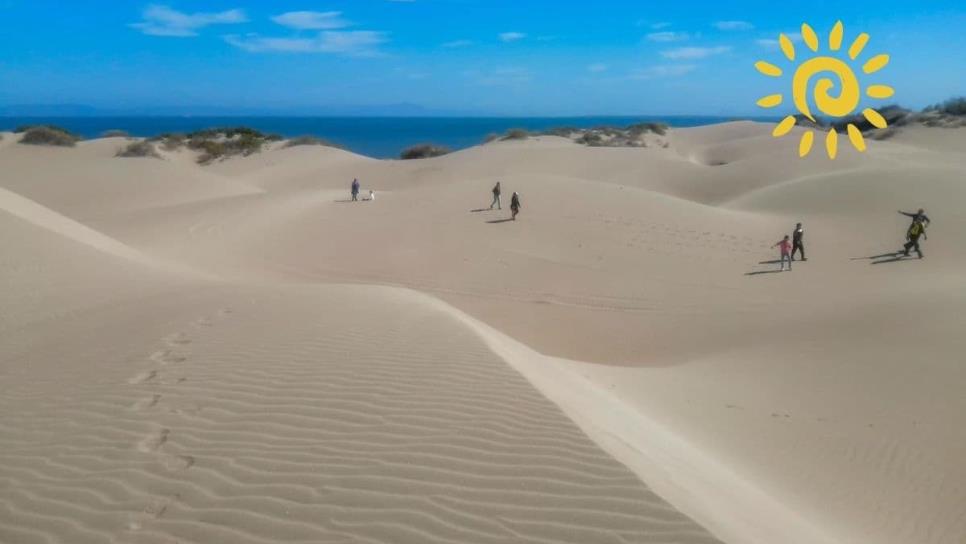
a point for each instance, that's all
(834, 106)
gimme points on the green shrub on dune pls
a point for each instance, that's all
(310, 140)
(423, 151)
(516, 134)
(47, 135)
(139, 149)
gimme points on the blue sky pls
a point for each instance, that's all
(536, 57)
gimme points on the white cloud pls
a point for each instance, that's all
(512, 36)
(312, 20)
(159, 20)
(733, 25)
(694, 52)
(597, 68)
(501, 77)
(667, 36)
(659, 26)
(457, 43)
(355, 43)
(772, 43)
(662, 71)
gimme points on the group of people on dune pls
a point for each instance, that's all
(796, 242)
(498, 201)
(789, 245)
(497, 197)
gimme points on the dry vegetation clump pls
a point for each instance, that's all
(516, 134)
(424, 151)
(139, 149)
(218, 143)
(310, 140)
(491, 137)
(563, 132)
(611, 136)
(48, 135)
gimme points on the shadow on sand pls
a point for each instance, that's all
(895, 259)
(347, 200)
(760, 272)
(874, 257)
(478, 210)
(499, 221)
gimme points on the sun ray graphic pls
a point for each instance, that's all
(847, 86)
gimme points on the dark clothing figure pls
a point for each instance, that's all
(798, 242)
(917, 229)
(496, 197)
(355, 190)
(515, 205)
(918, 216)
(913, 243)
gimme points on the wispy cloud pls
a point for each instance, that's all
(312, 20)
(501, 76)
(667, 36)
(354, 43)
(733, 25)
(160, 20)
(772, 43)
(662, 71)
(457, 43)
(512, 36)
(597, 68)
(688, 53)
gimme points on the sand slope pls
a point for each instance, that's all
(224, 382)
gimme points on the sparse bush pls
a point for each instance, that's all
(953, 106)
(592, 139)
(641, 128)
(893, 114)
(115, 134)
(516, 134)
(142, 148)
(310, 140)
(491, 137)
(564, 132)
(423, 151)
(48, 135)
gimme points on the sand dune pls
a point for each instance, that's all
(233, 353)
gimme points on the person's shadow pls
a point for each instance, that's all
(894, 259)
(499, 221)
(478, 210)
(760, 272)
(874, 257)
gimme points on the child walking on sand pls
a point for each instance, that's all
(786, 248)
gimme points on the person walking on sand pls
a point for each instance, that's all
(786, 247)
(920, 215)
(514, 205)
(355, 190)
(798, 242)
(496, 197)
(917, 229)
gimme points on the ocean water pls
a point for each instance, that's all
(379, 137)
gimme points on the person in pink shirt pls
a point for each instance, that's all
(786, 246)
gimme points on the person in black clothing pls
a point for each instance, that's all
(515, 205)
(355, 190)
(917, 229)
(798, 242)
(496, 197)
(920, 216)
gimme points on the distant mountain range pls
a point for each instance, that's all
(81, 110)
